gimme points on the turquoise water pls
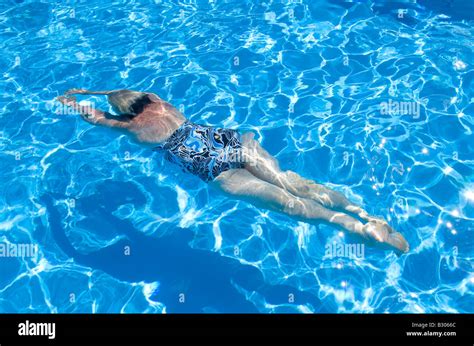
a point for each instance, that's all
(372, 99)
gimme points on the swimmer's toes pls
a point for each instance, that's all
(385, 237)
(396, 240)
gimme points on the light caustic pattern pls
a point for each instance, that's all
(373, 100)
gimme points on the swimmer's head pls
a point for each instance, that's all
(128, 102)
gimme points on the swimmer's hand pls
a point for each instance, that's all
(87, 113)
(66, 100)
(379, 234)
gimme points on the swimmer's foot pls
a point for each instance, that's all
(363, 215)
(379, 234)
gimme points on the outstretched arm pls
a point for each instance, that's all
(88, 92)
(94, 116)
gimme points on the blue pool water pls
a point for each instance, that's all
(117, 229)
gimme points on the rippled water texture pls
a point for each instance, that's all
(374, 100)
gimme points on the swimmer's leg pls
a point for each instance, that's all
(245, 186)
(264, 166)
(240, 183)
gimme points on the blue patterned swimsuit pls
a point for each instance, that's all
(204, 151)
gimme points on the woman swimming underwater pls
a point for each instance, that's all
(234, 163)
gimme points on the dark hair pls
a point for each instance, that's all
(128, 102)
(137, 106)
